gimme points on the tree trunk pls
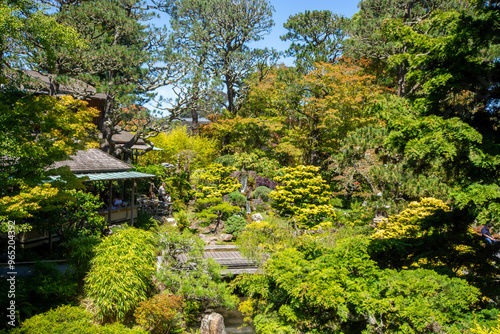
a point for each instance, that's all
(230, 94)
(313, 158)
(401, 77)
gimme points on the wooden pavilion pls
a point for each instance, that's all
(96, 165)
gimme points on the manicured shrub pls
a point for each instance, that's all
(412, 221)
(216, 210)
(237, 198)
(120, 274)
(261, 192)
(235, 225)
(304, 196)
(69, 319)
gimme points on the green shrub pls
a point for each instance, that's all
(226, 160)
(215, 210)
(237, 198)
(261, 208)
(74, 215)
(161, 314)
(69, 319)
(46, 289)
(48, 285)
(261, 192)
(179, 188)
(199, 281)
(235, 225)
(81, 251)
(146, 222)
(178, 205)
(120, 276)
(182, 219)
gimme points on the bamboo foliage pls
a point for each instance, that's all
(120, 274)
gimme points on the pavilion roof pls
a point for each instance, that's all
(93, 161)
(41, 82)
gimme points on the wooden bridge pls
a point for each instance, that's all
(229, 256)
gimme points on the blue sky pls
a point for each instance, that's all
(283, 10)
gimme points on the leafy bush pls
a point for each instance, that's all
(235, 225)
(199, 280)
(47, 288)
(116, 288)
(178, 184)
(215, 210)
(74, 216)
(237, 198)
(261, 192)
(161, 314)
(215, 181)
(412, 221)
(481, 329)
(179, 187)
(178, 205)
(346, 288)
(69, 319)
(146, 222)
(305, 196)
(81, 251)
(182, 219)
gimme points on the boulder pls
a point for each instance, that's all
(257, 217)
(209, 240)
(212, 323)
(195, 226)
(225, 237)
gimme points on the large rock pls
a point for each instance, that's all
(212, 323)
(209, 240)
(195, 226)
(257, 217)
(225, 237)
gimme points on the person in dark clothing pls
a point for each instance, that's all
(485, 233)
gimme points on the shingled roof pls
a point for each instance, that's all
(123, 137)
(93, 161)
(41, 82)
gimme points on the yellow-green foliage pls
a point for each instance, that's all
(215, 181)
(478, 329)
(265, 237)
(70, 319)
(203, 150)
(408, 222)
(305, 196)
(120, 274)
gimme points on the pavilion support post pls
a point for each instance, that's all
(110, 187)
(132, 200)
